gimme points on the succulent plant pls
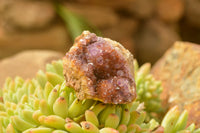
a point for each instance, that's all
(46, 105)
(148, 89)
(176, 122)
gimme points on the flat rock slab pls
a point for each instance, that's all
(26, 64)
(179, 71)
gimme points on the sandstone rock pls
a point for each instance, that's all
(26, 64)
(170, 10)
(194, 113)
(29, 14)
(152, 39)
(179, 71)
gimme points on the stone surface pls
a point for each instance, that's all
(179, 71)
(26, 64)
(28, 14)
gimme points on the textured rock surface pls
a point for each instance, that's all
(26, 64)
(99, 68)
(179, 71)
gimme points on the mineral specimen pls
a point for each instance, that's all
(101, 69)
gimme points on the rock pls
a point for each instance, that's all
(152, 40)
(192, 12)
(29, 14)
(53, 38)
(170, 10)
(193, 109)
(26, 64)
(98, 16)
(179, 71)
(101, 69)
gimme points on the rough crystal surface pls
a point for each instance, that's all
(101, 69)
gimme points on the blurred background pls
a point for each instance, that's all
(146, 27)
